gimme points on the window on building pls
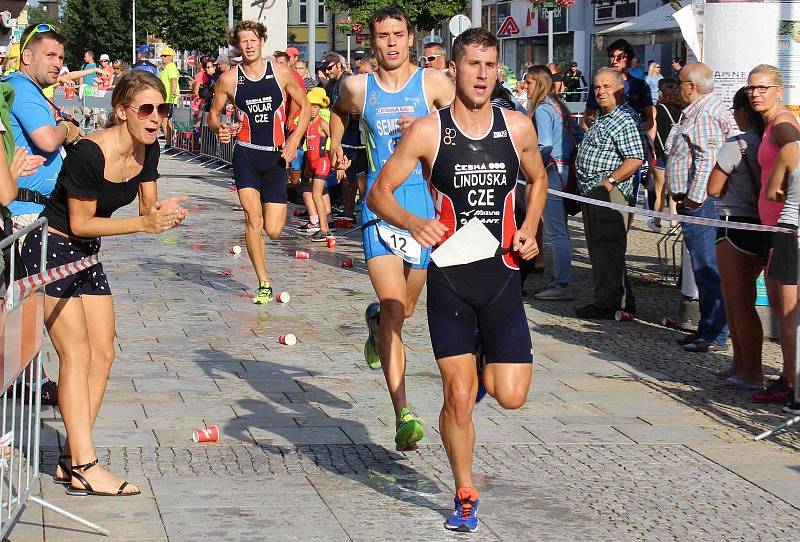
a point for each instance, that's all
(321, 18)
(615, 12)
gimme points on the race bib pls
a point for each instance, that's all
(400, 243)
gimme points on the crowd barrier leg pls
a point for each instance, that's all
(21, 333)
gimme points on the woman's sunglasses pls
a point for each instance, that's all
(145, 110)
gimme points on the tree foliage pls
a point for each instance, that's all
(37, 15)
(104, 26)
(424, 14)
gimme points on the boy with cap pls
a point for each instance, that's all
(318, 165)
(169, 77)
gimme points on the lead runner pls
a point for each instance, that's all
(472, 170)
(388, 101)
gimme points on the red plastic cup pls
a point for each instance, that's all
(288, 339)
(69, 93)
(301, 255)
(623, 316)
(330, 240)
(669, 321)
(283, 297)
(346, 262)
(206, 434)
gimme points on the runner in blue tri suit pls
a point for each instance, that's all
(388, 101)
(471, 154)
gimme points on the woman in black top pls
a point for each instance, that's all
(668, 112)
(100, 174)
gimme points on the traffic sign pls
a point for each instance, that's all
(358, 28)
(191, 60)
(509, 27)
(458, 24)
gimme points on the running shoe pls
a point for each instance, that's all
(779, 391)
(372, 316)
(263, 294)
(319, 237)
(409, 431)
(465, 516)
(311, 228)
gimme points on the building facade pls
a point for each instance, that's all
(523, 31)
(298, 27)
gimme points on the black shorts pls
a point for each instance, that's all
(263, 170)
(358, 157)
(481, 300)
(782, 256)
(749, 242)
(62, 250)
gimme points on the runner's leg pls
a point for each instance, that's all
(388, 278)
(274, 219)
(317, 189)
(459, 385)
(254, 224)
(508, 383)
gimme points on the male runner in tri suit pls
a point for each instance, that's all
(260, 89)
(388, 101)
(471, 153)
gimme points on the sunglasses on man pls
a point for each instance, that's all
(431, 58)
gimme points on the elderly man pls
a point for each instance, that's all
(434, 56)
(691, 151)
(611, 153)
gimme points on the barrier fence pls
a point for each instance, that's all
(22, 328)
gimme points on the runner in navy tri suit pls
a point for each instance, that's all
(260, 90)
(472, 171)
(388, 101)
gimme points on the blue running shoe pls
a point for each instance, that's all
(465, 516)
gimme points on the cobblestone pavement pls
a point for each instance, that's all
(624, 437)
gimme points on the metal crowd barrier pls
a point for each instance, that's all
(21, 325)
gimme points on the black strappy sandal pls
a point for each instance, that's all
(87, 487)
(65, 469)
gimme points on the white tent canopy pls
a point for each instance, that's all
(658, 21)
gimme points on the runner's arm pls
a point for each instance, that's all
(530, 161)
(296, 94)
(347, 104)
(439, 88)
(221, 95)
(395, 171)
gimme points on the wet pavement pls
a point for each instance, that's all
(624, 437)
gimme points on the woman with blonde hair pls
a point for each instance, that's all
(556, 134)
(102, 172)
(765, 92)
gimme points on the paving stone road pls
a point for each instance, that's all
(624, 437)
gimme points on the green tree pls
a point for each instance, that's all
(37, 15)
(102, 26)
(424, 14)
(186, 24)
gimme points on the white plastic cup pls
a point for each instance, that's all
(283, 297)
(288, 339)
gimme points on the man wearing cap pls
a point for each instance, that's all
(142, 54)
(223, 64)
(169, 77)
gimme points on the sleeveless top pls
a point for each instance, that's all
(382, 110)
(261, 109)
(476, 178)
(315, 140)
(768, 211)
(791, 203)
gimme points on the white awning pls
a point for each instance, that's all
(652, 22)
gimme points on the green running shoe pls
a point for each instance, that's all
(409, 431)
(371, 354)
(263, 294)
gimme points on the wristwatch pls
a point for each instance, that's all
(612, 181)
